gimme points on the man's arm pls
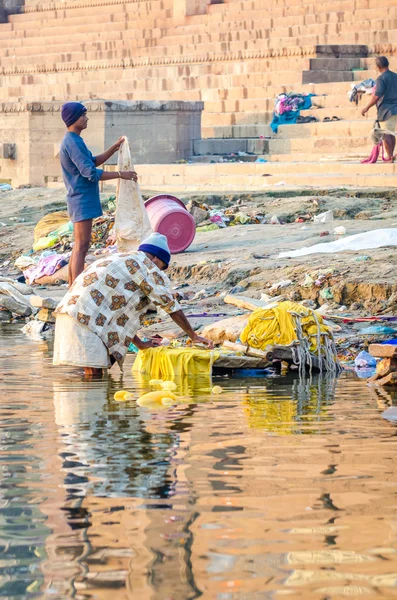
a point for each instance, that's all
(102, 158)
(180, 319)
(157, 290)
(372, 103)
(106, 175)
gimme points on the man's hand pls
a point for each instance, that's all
(154, 343)
(197, 339)
(128, 175)
(117, 145)
(364, 112)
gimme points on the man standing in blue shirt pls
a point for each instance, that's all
(385, 99)
(81, 177)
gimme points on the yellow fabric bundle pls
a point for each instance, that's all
(168, 363)
(276, 325)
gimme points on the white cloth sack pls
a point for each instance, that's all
(361, 241)
(131, 221)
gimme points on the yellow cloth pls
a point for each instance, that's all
(267, 326)
(50, 223)
(168, 363)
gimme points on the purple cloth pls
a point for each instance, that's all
(46, 266)
(71, 112)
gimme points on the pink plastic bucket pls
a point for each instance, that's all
(168, 215)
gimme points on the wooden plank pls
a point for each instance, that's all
(246, 350)
(250, 303)
(240, 362)
(226, 329)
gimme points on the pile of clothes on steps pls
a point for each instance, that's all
(359, 89)
(287, 109)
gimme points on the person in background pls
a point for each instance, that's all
(98, 319)
(81, 177)
(385, 99)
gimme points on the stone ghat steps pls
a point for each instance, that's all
(131, 82)
(254, 22)
(224, 118)
(381, 31)
(374, 31)
(301, 7)
(228, 125)
(310, 12)
(265, 176)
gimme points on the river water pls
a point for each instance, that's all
(273, 489)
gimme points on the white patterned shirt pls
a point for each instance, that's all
(112, 295)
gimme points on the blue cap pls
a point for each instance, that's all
(157, 245)
(71, 112)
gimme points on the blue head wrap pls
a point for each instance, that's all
(71, 112)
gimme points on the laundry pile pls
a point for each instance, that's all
(289, 323)
(359, 89)
(287, 108)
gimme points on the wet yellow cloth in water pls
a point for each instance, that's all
(267, 326)
(169, 363)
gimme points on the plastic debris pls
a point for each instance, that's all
(326, 293)
(274, 220)
(364, 360)
(217, 389)
(122, 396)
(308, 281)
(324, 217)
(340, 230)
(280, 285)
(378, 330)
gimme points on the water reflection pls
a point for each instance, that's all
(277, 487)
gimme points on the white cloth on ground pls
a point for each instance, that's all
(77, 346)
(361, 241)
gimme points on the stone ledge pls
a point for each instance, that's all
(308, 51)
(64, 6)
(106, 106)
(153, 61)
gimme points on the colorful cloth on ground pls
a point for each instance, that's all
(46, 266)
(287, 108)
(169, 363)
(81, 178)
(277, 325)
(111, 296)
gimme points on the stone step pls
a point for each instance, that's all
(279, 12)
(327, 76)
(250, 176)
(334, 158)
(266, 143)
(337, 64)
(122, 22)
(338, 51)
